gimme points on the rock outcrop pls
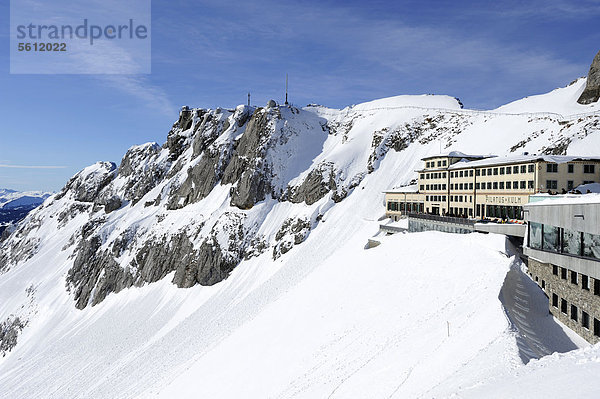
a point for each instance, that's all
(591, 93)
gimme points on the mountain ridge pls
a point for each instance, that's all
(239, 207)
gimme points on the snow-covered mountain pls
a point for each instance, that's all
(262, 214)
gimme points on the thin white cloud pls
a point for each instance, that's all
(31, 166)
(140, 87)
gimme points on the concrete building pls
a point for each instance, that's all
(563, 249)
(480, 186)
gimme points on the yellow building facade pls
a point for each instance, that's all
(480, 186)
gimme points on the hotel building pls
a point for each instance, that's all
(480, 186)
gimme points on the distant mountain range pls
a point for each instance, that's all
(17, 199)
(15, 205)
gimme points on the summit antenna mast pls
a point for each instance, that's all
(286, 88)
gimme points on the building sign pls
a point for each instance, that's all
(506, 199)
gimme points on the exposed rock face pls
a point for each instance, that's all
(319, 182)
(247, 167)
(87, 184)
(591, 93)
(9, 331)
(292, 232)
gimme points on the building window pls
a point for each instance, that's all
(555, 300)
(483, 171)
(508, 185)
(522, 185)
(477, 186)
(585, 320)
(443, 186)
(515, 185)
(563, 273)
(530, 184)
(461, 173)
(591, 245)
(552, 168)
(427, 187)
(531, 168)
(596, 287)
(439, 164)
(535, 235)
(543, 284)
(489, 171)
(489, 185)
(570, 185)
(515, 169)
(571, 242)
(477, 172)
(502, 171)
(555, 270)
(523, 168)
(461, 186)
(585, 282)
(495, 185)
(495, 171)
(551, 184)
(421, 187)
(563, 305)
(596, 327)
(427, 198)
(588, 169)
(444, 162)
(573, 312)
(508, 170)
(570, 168)
(470, 186)
(471, 173)
(444, 175)
(573, 277)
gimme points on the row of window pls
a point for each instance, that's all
(432, 187)
(575, 278)
(501, 170)
(564, 241)
(405, 206)
(435, 198)
(459, 198)
(432, 164)
(434, 175)
(574, 314)
(497, 185)
(553, 168)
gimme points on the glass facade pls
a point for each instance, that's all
(568, 242)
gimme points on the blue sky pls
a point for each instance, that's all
(211, 53)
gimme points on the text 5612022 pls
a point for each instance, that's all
(35, 46)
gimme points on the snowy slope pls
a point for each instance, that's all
(262, 215)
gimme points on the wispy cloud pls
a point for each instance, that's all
(31, 166)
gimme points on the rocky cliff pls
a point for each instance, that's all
(591, 94)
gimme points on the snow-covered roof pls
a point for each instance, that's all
(413, 188)
(456, 154)
(522, 158)
(563, 199)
